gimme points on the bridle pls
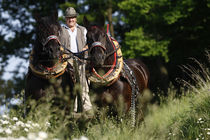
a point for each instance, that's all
(51, 37)
(97, 44)
(102, 46)
(61, 57)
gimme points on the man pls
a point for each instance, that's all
(73, 36)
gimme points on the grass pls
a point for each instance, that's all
(186, 117)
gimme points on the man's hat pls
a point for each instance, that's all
(71, 12)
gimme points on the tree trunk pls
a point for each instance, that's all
(109, 15)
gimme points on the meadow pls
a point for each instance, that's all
(183, 117)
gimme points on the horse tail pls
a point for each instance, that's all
(141, 72)
(145, 73)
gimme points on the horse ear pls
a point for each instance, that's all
(36, 16)
(101, 20)
(86, 22)
(55, 16)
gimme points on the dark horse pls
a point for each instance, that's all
(48, 67)
(114, 77)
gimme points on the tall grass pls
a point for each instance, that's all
(187, 117)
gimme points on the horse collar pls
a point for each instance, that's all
(112, 68)
(48, 72)
(115, 70)
(53, 68)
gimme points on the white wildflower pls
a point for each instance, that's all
(20, 123)
(22, 138)
(29, 122)
(28, 125)
(5, 116)
(26, 129)
(1, 130)
(83, 138)
(31, 136)
(208, 133)
(14, 127)
(42, 135)
(8, 131)
(197, 139)
(200, 120)
(47, 124)
(15, 119)
(4, 122)
(35, 125)
(38, 138)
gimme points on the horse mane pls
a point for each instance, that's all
(45, 26)
(99, 28)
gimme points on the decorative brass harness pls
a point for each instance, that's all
(115, 70)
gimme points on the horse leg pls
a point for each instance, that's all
(34, 89)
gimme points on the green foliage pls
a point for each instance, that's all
(173, 30)
(186, 117)
(138, 44)
(136, 6)
(176, 24)
(144, 39)
(165, 29)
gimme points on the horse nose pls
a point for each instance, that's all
(99, 60)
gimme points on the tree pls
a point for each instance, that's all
(165, 32)
(173, 30)
(17, 35)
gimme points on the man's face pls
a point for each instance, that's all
(71, 21)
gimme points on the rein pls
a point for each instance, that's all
(61, 58)
(53, 37)
(114, 73)
(115, 58)
(114, 51)
(78, 55)
(115, 68)
(45, 71)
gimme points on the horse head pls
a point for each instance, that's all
(98, 43)
(47, 47)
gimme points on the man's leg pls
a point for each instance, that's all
(85, 89)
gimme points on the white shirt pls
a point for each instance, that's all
(73, 38)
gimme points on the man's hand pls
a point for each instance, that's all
(85, 48)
